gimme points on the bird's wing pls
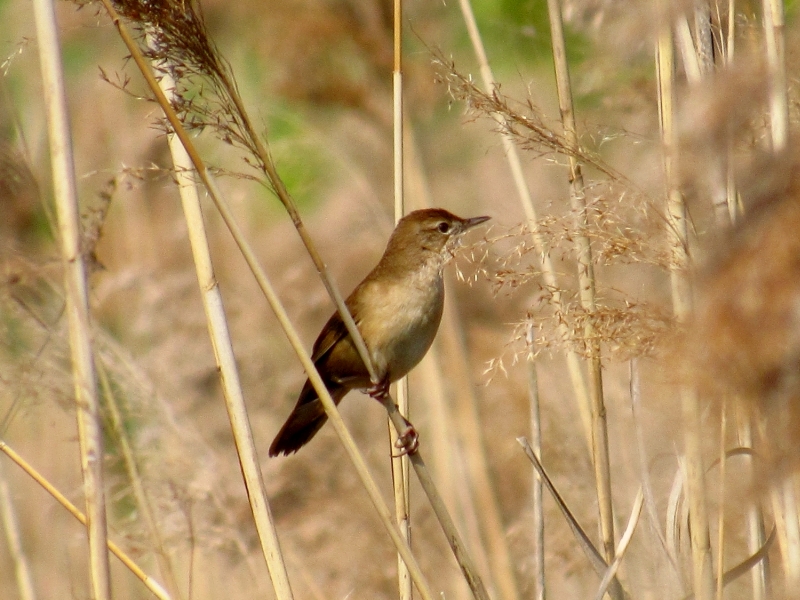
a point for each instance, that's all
(333, 331)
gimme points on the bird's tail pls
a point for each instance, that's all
(306, 420)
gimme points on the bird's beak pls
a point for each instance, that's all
(470, 223)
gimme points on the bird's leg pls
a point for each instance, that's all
(407, 440)
(407, 437)
(380, 390)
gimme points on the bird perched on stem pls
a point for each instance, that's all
(397, 309)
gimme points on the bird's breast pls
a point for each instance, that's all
(402, 323)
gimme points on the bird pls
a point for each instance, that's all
(397, 308)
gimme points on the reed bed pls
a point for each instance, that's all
(632, 310)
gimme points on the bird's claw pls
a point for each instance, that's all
(379, 390)
(407, 442)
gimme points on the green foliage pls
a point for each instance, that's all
(301, 163)
(522, 29)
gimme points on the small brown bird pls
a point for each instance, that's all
(397, 308)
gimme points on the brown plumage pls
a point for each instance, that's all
(397, 308)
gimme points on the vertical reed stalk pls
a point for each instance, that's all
(226, 362)
(702, 34)
(756, 532)
(539, 587)
(574, 366)
(723, 469)
(80, 337)
(773, 16)
(10, 525)
(776, 59)
(586, 282)
(677, 231)
(142, 502)
(400, 465)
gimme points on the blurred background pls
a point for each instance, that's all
(316, 77)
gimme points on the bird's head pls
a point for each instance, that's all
(432, 230)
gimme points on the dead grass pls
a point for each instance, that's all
(151, 335)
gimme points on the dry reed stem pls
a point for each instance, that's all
(723, 471)
(776, 59)
(586, 282)
(400, 465)
(539, 582)
(142, 501)
(149, 582)
(644, 473)
(773, 17)
(681, 298)
(756, 534)
(465, 561)
(77, 303)
(8, 519)
(277, 307)
(226, 362)
(595, 558)
(577, 376)
(624, 541)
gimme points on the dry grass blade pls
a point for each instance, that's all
(10, 523)
(624, 541)
(595, 558)
(746, 565)
(66, 198)
(536, 491)
(149, 582)
(644, 473)
(142, 501)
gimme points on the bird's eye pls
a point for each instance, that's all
(443, 227)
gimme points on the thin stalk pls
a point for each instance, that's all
(595, 558)
(275, 304)
(226, 362)
(681, 298)
(723, 462)
(468, 567)
(702, 33)
(476, 459)
(574, 366)
(789, 507)
(586, 282)
(400, 466)
(624, 541)
(77, 304)
(142, 502)
(776, 59)
(150, 583)
(730, 182)
(8, 519)
(644, 474)
(539, 587)
(756, 532)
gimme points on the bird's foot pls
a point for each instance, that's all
(407, 442)
(379, 390)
